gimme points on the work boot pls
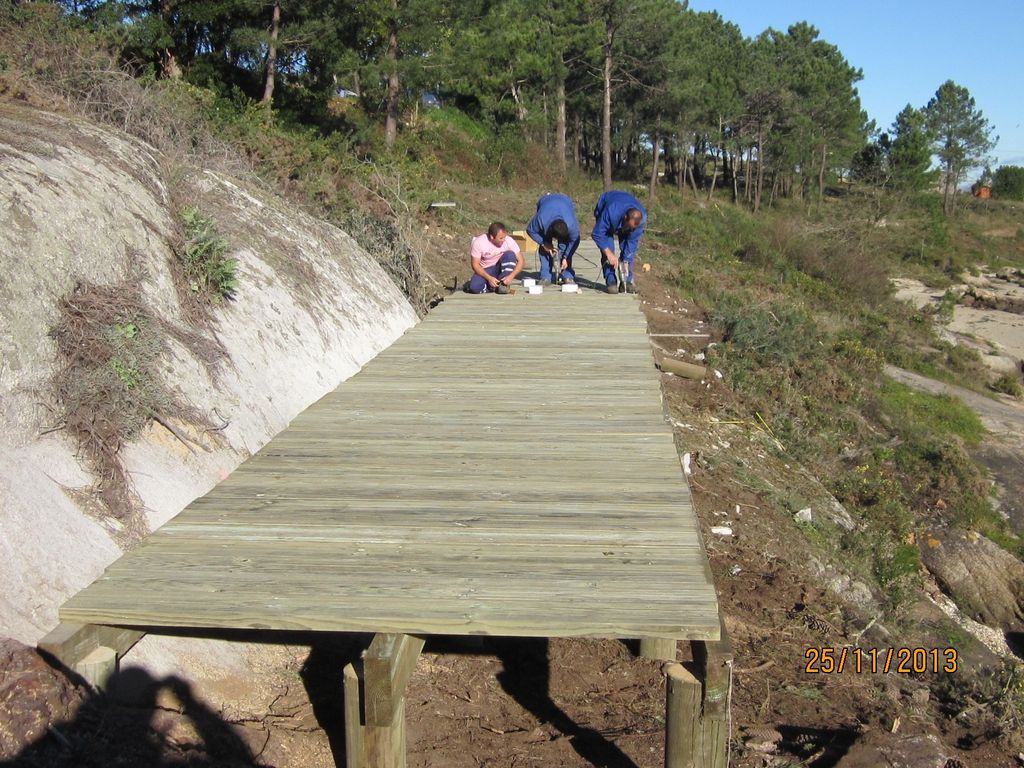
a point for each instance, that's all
(566, 280)
(543, 281)
(501, 288)
(630, 288)
(622, 287)
(613, 288)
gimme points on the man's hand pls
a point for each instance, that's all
(613, 260)
(507, 280)
(563, 265)
(492, 281)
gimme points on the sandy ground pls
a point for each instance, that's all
(1002, 331)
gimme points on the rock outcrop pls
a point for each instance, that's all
(986, 581)
(80, 203)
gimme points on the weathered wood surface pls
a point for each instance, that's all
(70, 643)
(503, 469)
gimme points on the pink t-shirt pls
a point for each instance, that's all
(488, 253)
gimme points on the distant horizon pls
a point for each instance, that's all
(898, 48)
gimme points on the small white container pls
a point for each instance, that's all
(535, 289)
(570, 288)
(529, 282)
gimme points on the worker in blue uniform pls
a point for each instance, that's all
(618, 215)
(555, 220)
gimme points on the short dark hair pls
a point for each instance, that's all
(495, 228)
(559, 231)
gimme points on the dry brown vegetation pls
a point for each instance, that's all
(110, 383)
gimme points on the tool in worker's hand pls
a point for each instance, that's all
(556, 264)
(620, 274)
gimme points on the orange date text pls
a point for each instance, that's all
(901, 661)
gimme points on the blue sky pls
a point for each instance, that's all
(908, 48)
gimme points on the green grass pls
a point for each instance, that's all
(920, 413)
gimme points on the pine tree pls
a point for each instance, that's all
(961, 136)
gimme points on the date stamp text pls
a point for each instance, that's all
(902, 661)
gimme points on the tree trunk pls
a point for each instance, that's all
(394, 86)
(680, 165)
(520, 106)
(606, 111)
(169, 67)
(714, 167)
(547, 119)
(577, 144)
(586, 144)
(275, 29)
(654, 169)
(821, 173)
(747, 170)
(947, 188)
(759, 184)
(560, 126)
(737, 158)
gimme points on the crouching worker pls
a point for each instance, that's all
(555, 220)
(496, 260)
(618, 215)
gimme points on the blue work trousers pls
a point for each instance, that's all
(506, 265)
(549, 266)
(610, 278)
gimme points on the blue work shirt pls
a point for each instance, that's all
(552, 208)
(609, 214)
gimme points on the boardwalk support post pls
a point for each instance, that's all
(657, 648)
(375, 702)
(682, 717)
(697, 706)
(714, 659)
(90, 650)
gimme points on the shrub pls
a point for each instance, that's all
(1008, 182)
(775, 331)
(208, 269)
(1008, 384)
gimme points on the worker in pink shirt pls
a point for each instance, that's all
(496, 260)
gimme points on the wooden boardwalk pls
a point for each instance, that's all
(503, 469)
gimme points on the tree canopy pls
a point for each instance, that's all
(639, 89)
(1008, 182)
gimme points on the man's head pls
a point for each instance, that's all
(632, 219)
(497, 233)
(558, 230)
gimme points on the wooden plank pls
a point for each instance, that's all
(473, 479)
(387, 666)
(71, 642)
